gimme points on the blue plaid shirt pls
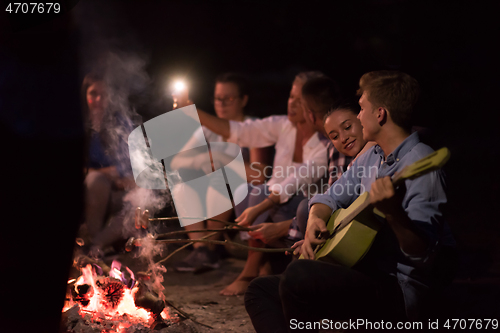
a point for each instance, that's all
(337, 165)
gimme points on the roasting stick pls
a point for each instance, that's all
(137, 242)
(186, 315)
(192, 218)
(181, 232)
(168, 241)
(183, 247)
(142, 219)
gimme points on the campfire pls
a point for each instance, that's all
(110, 299)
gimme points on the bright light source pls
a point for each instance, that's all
(179, 86)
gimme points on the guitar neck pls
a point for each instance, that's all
(397, 179)
(433, 161)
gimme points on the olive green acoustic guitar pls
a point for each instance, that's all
(353, 230)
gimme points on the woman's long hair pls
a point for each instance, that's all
(111, 131)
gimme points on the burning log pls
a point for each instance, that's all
(148, 300)
(114, 301)
(82, 294)
(113, 304)
(112, 291)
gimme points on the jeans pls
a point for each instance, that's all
(309, 291)
(257, 194)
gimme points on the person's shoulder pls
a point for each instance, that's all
(278, 123)
(325, 141)
(419, 151)
(249, 118)
(278, 119)
(124, 121)
(369, 146)
(275, 119)
(365, 156)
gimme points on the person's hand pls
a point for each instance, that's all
(181, 98)
(297, 248)
(385, 198)
(268, 232)
(316, 234)
(247, 217)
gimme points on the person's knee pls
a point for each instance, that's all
(97, 181)
(254, 291)
(240, 193)
(295, 277)
(257, 194)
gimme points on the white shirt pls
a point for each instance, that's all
(288, 177)
(203, 135)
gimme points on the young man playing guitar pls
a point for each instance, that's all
(408, 257)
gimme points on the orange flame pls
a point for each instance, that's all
(97, 304)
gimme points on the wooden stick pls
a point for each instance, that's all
(192, 218)
(261, 249)
(205, 240)
(183, 247)
(181, 232)
(185, 315)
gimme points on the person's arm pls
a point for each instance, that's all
(316, 226)
(383, 197)
(321, 207)
(250, 214)
(303, 175)
(416, 217)
(255, 170)
(119, 182)
(270, 232)
(110, 172)
(252, 133)
(217, 125)
(213, 123)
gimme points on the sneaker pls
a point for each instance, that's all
(200, 260)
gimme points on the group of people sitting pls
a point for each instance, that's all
(323, 149)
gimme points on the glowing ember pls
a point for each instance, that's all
(165, 315)
(109, 298)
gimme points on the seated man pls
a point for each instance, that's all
(410, 252)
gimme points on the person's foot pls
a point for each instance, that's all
(200, 260)
(238, 287)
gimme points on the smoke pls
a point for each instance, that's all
(148, 250)
(110, 49)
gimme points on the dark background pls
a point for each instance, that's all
(448, 46)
